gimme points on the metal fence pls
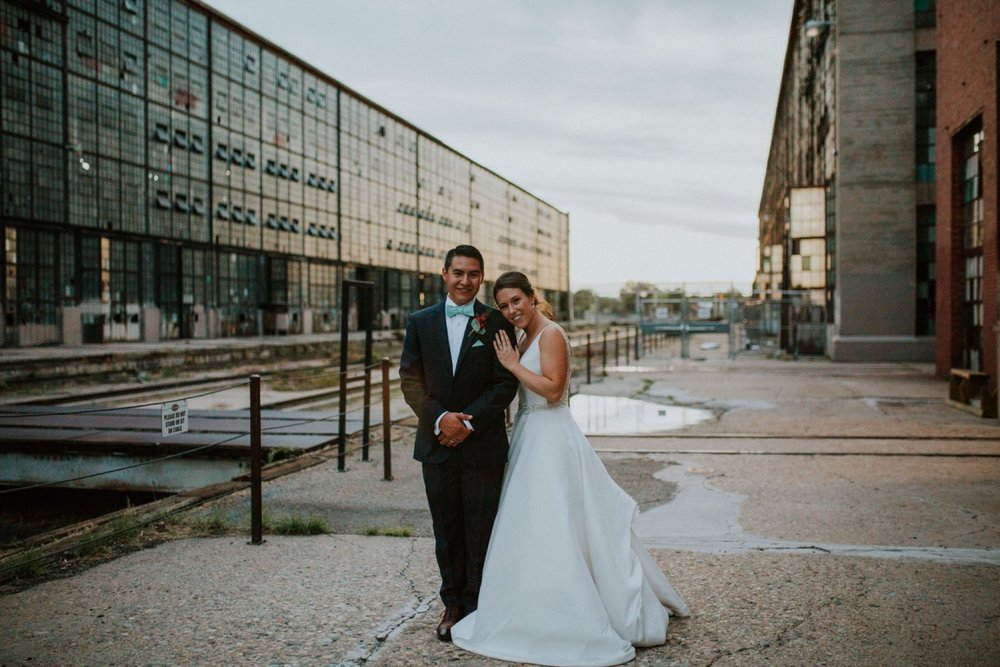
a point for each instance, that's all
(787, 322)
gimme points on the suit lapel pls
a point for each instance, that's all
(440, 326)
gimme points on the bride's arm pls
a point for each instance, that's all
(554, 364)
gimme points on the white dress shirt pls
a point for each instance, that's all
(456, 330)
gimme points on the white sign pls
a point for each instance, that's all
(174, 418)
(661, 313)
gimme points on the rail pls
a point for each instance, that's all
(10, 565)
(609, 345)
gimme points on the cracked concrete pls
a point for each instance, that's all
(704, 517)
(317, 600)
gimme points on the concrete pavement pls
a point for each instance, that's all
(827, 514)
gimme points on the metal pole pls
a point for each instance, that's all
(684, 325)
(618, 333)
(604, 350)
(588, 358)
(342, 417)
(386, 424)
(638, 340)
(256, 514)
(367, 409)
(628, 345)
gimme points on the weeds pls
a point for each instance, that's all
(201, 525)
(293, 525)
(281, 454)
(389, 531)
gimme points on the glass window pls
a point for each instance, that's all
(926, 139)
(970, 212)
(926, 270)
(923, 13)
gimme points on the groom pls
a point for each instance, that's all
(451, 378)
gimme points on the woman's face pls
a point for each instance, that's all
(516, 306)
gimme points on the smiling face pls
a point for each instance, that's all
(516, 306)
(463, 277)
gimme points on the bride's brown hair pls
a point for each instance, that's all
(517, 280)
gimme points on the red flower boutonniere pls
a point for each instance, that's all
(478, 323)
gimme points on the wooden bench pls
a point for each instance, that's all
(969, 391)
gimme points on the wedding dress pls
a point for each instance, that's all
(566, 581)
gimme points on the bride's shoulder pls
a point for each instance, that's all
(554, 330)
(552, 334)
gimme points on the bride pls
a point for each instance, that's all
(566, 581)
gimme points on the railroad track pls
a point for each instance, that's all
(190, 387)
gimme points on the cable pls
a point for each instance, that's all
(169, 456)
(140, 524)
(128, 467)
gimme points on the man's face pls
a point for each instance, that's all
(463, 279)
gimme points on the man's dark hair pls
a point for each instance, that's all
(464, 251)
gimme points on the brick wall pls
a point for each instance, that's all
(967, 60)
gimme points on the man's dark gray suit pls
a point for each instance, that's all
(463, 483)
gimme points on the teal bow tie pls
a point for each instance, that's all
(466, 309)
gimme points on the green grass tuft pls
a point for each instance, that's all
(281, 453)
(390, 531)
(294, 525)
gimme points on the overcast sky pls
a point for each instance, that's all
(648, 121)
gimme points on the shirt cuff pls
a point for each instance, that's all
(437, 424)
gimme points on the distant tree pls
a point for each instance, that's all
(610, 305)
(583, 300)
(628, 292)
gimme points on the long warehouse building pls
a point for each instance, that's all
(168, 174)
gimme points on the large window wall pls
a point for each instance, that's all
(191, 180)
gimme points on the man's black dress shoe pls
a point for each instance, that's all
(452, 615)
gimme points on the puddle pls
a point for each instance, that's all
(607, 415)
(704, 518)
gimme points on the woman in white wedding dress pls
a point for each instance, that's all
(566, 581)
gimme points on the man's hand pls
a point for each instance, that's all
(453, 429)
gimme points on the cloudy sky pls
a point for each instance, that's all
(648, 121)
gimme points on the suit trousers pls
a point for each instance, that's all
(463, 501)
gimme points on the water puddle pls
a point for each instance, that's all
(615, 415)
(632, 369)
(704, 518)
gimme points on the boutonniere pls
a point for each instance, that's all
(478, 323)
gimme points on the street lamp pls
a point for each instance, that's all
(814, 26)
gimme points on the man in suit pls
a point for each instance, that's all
(451, 378)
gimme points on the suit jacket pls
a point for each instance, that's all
(480, 386)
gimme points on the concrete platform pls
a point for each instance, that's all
(46, 444)
(805, 457)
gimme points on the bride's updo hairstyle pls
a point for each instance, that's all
(517, 280)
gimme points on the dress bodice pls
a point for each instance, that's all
(529, 401)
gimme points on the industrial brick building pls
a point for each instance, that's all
(968, 81)
(167, 174)
(847, 212)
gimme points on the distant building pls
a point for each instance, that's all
(166, 173)
(847, 212)
(968, 71)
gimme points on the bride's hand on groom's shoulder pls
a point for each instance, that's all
(507, 354)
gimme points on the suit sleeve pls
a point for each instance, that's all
(503, 387)
(412, 380)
